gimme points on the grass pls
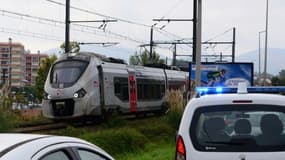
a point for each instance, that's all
(157, 151)
(140, 139)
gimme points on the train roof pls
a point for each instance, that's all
(114, 61)
(88, 55)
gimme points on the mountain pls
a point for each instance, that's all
(275, 56)
(275, 60)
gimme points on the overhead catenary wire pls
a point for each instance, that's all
(30, 34)
(57, 23)
(100, 14)
(106, 16)
(219, 35)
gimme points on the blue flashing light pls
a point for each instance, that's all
(219, 89)
(224, 90)
(202, 89)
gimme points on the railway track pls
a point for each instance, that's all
(61, 125)
(40, 127)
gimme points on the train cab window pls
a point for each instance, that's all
(176, 85)
(66, 73)
(121, 88)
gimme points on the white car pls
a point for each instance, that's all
(236, 126)
(47, 147)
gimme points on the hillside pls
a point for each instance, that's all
(275, 60)
(276, 56)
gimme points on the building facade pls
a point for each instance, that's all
(18, 67)
(33, 62)
(12, 66)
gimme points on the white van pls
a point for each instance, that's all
(235, 126)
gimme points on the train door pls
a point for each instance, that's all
(132, 92)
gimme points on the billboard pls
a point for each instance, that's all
(224, 74)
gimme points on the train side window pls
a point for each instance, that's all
(176, 85)
(121, 88)
(150, 89)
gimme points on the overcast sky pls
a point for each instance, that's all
(219, 16)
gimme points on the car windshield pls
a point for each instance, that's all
(249, 128)
(66, 73)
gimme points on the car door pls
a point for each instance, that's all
(87, 154)
(60, 151)
(90, 152)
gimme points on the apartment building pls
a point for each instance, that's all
(18, 67)
(12, 66)
(32, 65)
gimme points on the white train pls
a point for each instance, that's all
(83, 84)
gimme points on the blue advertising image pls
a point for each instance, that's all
(224, 74)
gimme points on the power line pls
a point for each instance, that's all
(172, 8)
(219, 35)
(57, 23)
(29, 34)
(100, 14)
(103, 15)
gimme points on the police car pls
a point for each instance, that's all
(45, 147)
(243, 123)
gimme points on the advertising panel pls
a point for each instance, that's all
(224, 74)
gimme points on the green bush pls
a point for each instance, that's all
(113, 122)
(175, 100)
(156, 130)
(7, 120)
(173, 119)
(120, 141)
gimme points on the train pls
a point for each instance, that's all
(86, 84)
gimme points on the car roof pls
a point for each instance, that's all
(14, 143)
(215, 99)
(8, 140)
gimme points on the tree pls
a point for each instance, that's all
(73, 47)
(42, 76)
(145, 58)
(282, 74)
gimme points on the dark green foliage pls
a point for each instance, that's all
(73, 47)
(173, 119)
(7, 120)
(144, 58)
(42, 76)
(113, 122)
(117, 141)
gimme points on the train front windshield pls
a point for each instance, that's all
(66, 73)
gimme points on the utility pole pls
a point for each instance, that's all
(259, 54)
(194, 30)
(159, 20)
(67, 23)
(174, 55)
(183, 42)
(198, 44)
(151, 41)
(266, 37)
(234, 45)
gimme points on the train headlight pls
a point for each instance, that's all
(75, 95)
(80, 93)
(47, 96)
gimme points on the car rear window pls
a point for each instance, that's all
(236, 128)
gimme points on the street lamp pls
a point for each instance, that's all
(259, 55)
